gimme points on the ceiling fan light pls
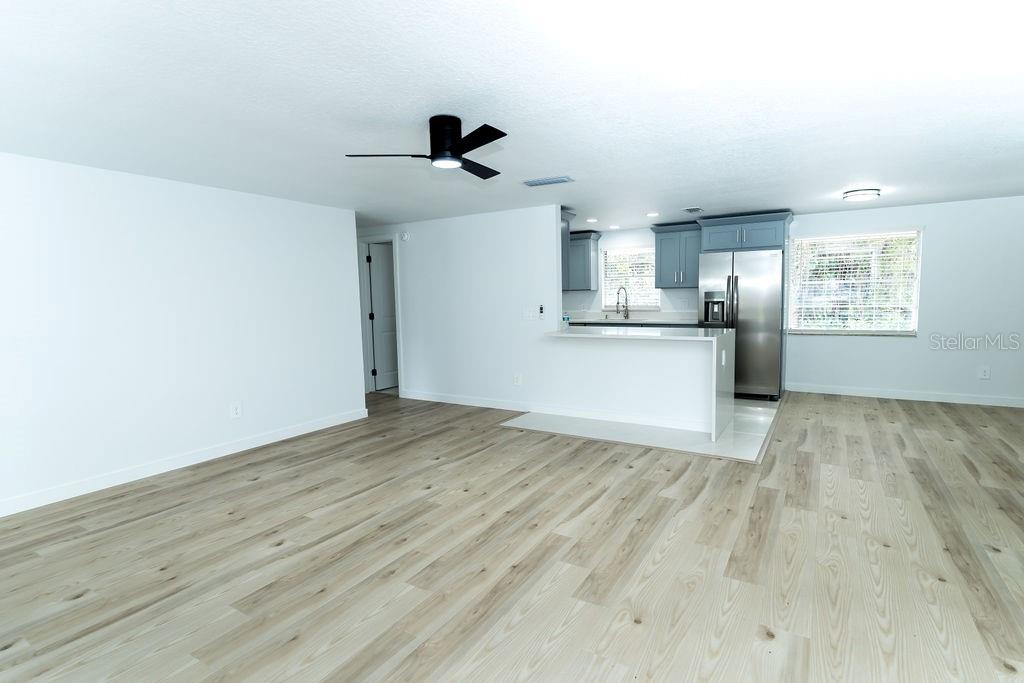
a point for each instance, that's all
(446, 162)
(862, 195)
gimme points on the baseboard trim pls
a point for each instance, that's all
(54, 494)
(938, 397)
(530, 407)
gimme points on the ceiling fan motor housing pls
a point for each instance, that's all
(445, 132)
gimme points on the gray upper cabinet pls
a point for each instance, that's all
(667, 263)
(737, 233)
(567, 217)
(676, 255)
(691, 259)
(583, 261)
(721, 237)
(767, 235)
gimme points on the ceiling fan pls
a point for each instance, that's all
(447, 145)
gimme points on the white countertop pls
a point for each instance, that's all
(703, 334)
(634, 320)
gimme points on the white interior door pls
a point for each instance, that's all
(384, 321)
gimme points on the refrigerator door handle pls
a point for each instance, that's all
(728, 301)
(735, 298)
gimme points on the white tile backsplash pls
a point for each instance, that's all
(675, 304)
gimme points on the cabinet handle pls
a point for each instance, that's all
(681, 273)
(675, 276)
(737, 234)
(744, 235)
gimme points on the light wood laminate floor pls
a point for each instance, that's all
(877, 540)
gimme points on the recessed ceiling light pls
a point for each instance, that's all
(613, 227)
(863, 195)
(591, 220)
(653, 214)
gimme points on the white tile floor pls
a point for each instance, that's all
(741, 440)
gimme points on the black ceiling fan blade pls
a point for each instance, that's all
(484, 135)
(479, 170)
(411, 156)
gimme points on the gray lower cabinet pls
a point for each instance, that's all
(736, 233)
(676, 256)
(583, 261)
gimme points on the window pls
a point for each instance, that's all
(632, 268)
(865, 284)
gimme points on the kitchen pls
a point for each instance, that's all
(716, 281)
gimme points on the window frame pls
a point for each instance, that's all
(919, 231)
(601, 280)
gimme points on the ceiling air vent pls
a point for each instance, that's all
(693, 209)
(553, 180)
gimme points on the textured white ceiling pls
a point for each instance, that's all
(648, 105)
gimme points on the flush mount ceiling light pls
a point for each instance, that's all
(446, 162)
(653, 214)
(613, 227)
(862, 195)
(591, 220)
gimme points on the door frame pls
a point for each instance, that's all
(364, 307)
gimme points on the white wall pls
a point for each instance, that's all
(135, 310)
(682, 301)
(468, 289)
(972, 282)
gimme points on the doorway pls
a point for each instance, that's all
(382, 317)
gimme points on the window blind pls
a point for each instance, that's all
(861, 283)
(632, 268)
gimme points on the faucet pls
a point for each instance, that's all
(626, 292)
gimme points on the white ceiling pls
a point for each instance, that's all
(648, 105)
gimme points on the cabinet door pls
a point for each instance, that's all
(579, 264)
(689, 258)
(721, 237)
(593, 265)
(762, 235)
(564, 236)
(667, 263)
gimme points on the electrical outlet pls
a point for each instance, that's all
(984, 372)
(540, 311)
(235, 410)
(517, 379)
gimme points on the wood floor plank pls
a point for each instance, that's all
(753, 545)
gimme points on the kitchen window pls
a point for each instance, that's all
(632, 268)
(861, 284)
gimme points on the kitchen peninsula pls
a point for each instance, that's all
(678, 377)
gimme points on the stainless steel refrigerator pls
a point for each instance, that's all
(743, 290)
